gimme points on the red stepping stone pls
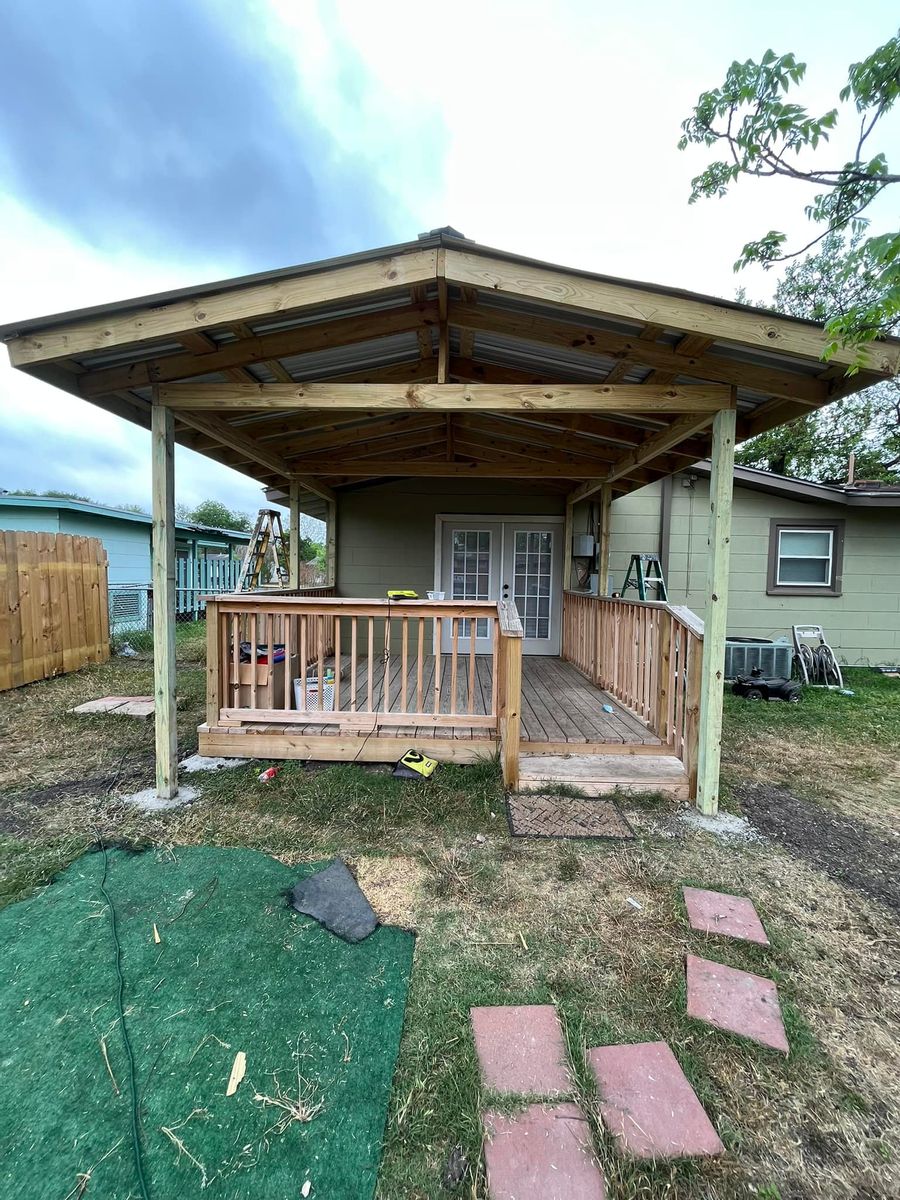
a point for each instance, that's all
(717, 912)
(648, 1105)
(520, 1049)
(541, 1153)
(735, 1001)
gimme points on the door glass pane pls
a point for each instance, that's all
(533, 556)
(471, 580)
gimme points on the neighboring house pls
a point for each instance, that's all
(801, 552)
(206, 558)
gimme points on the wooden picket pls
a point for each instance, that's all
(54, 614)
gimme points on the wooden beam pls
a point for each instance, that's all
(650, 449)
(605, 531)
(261, 348)
(448, 397)
(712, 679)
(236, 302)
(639, 349)
(568, 530)
(443, 328)
(669, 309)
(331, 544)
(294, 534)
(650, 333)
(225, 435)
(162, 451)
(509, 467)
(658, 443)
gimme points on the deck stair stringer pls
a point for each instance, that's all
(599, 774)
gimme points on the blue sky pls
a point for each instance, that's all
(146, 144)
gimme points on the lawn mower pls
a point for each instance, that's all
(756, 686)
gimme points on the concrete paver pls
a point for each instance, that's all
(543, 1152)
(735, 1001)
(731, 916)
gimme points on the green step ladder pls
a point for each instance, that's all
(646, 570)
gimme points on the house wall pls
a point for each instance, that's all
(127, 543)
(385, 534)
(862, 624)
(37, 520)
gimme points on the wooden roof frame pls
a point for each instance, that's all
(451, 359)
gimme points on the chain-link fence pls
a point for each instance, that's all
(131, 604)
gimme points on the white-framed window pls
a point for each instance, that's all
(805, 559)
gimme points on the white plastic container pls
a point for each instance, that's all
(435, 595)
(309, 702)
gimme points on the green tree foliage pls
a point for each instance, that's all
(867, 424)
(763, 135)
(51, 495)
(215, 513)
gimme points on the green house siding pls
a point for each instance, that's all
(863, 623)
(386, 533)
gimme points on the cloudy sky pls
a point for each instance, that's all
(147, 144)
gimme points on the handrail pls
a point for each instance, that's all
(647, 654)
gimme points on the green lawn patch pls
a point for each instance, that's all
(234, 970)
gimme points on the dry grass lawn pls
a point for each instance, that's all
(503, 920)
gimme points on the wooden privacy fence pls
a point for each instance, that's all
(54, 614)
(647, 654)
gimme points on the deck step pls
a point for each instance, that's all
(597, 774)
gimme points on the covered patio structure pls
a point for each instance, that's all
(482, 376)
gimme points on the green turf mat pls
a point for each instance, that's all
(235, 969)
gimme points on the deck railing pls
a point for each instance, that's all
(647, 655)
(384, 658)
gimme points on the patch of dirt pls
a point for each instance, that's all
(393, 886)
(848, 851)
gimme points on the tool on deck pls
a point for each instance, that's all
(266, 546)
(647, 573)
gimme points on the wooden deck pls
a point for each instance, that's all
(559, 706)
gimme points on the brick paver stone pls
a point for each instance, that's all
(735, 1001)
(717, 912)
(520, 1049)
(648, 1105)
(543, 1152)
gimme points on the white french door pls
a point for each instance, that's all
(517, 559)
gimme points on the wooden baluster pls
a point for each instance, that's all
(320, 658)
(420, 664)
(404, 665)
(471, 708)
(438, 651)
(370, 685)
(386, 664)
(495, 665)
(303, 659)
(253, 657)
(454, 651)
(336, 626)
(353, 652)
(288, 672)
(235, 660)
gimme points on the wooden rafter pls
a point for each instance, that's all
(632, 302)
(262, 348)
(246, 303)
(650, 333)
(643, 351)
(448, 397)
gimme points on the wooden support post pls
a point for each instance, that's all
(163, 573)
(331, 545)
(603, 558)
(721, 481)
(509, 696)
(294, 536)
(567, 545)
(215, 664)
